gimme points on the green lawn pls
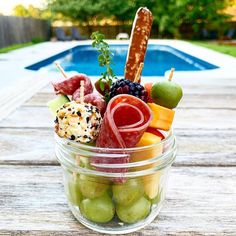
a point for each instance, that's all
(15, 46)
(227, 49)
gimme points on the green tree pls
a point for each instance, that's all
(20, 10)
(169, 15)
(31, 11)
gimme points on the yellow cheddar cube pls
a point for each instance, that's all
(150, 183)
(162, 117)
(146, 140)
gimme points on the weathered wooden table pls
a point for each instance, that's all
(201, 199)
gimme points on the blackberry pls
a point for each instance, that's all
(124, 86)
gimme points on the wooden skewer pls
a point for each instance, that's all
(57, 64)
(138, 74)
(82, 91)
(77, 159)
(171, 74)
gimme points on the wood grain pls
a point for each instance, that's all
(200, 201)
(202, 188)
(219, 101)
(195, 148)
(207, 119)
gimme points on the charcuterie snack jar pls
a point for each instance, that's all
(116, 144)
(115, 190)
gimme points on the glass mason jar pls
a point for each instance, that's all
(115, 191)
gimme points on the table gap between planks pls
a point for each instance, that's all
(201, 197)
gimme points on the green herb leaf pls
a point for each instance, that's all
(104, 60)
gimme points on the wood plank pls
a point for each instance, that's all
(200, 201)
(40, 99)
(27, 146)
(195, 148)
(209, 119)
(189, 100)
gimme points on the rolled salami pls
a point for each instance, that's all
(124, 122)
(138, 42)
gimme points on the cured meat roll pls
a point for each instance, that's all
(72, 85)
(124, 122)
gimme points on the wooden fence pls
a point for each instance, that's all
(109, 31)
(14, 30)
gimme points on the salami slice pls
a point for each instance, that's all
(124, 122)
(71, 85)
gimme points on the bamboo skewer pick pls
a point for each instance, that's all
(57, 64)
(82, 91)
(171, 74)
(138, 74)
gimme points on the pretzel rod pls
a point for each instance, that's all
(138, 42)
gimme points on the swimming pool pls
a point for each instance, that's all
(159, 59)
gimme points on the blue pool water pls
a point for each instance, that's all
(159, 59)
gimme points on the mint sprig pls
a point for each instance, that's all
(104, 59)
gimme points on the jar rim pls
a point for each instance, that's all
(168, 138)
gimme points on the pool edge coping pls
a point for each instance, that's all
(226, 65)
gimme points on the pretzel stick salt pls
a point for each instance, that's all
(138, 42)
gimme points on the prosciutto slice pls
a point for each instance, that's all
(124, 122)
(71, 85)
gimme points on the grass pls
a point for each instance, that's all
(21, 45)
(226, 49)
(14, 47)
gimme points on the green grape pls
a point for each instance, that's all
(134, 212)
(130, 191)
(72, 190)
(99, 209)
(92, 187)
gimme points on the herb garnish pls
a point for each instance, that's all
(104, 59)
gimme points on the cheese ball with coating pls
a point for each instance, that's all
(79, 122)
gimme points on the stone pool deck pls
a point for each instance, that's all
(18, 84)
(202, 185)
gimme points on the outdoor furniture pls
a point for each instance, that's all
(227, 39)
(229, 34)
(60, 35)
(76, 34)
(209, 34)
(202, 185)
(121, 36)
